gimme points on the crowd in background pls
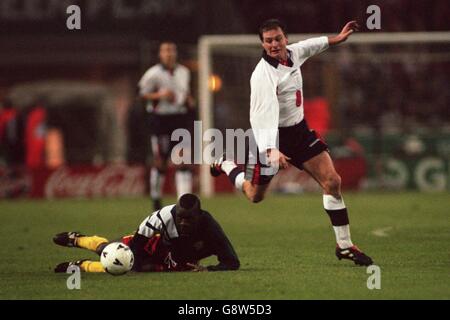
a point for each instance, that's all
(402, 94)
(327, 16)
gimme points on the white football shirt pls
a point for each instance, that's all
(277, 91)
(158, 78)
(162, 222)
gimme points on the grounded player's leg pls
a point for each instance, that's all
(67, 239)
(91, 243)
(78, 240)
(321, 168)
(92, 266)
(84, 265)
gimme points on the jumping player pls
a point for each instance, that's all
(276, 112)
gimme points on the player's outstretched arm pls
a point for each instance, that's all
(348, 29)
(220, 246)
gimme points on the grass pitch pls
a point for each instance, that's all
(285, 244)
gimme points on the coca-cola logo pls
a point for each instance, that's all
(109, 181)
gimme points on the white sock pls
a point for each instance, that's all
(343, 236)
(239, 182)
(227, 166)
(156, 183)
(183, 181)
(332, 203)
(335, 207)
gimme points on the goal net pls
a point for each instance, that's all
(387, 91)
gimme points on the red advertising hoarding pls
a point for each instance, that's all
(132, 181)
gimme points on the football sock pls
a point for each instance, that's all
(227, 166)
(183, 181)
(156, 183)
(90, 243)
(343, 236)
(92, 266)
(236, 177)
(335, 207)
(234, 173)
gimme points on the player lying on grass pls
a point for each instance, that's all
(174, 238)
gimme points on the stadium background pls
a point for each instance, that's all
(70, 127)
(72, 92)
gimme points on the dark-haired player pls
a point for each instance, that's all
(174, 238)
(276, 113)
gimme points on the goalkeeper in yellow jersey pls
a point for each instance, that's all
(174, 238)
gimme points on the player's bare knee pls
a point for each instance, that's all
(332, 184)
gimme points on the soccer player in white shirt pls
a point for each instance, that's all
(165, 89)
(276, 112)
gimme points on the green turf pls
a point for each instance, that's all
(285, 244)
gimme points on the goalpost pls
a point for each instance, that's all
(238, 54)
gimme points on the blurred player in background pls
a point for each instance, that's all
(165, 90)
(174, 238)
(276, 111)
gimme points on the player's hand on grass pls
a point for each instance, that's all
(348, 29)
(277, 159)
(197, 267)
